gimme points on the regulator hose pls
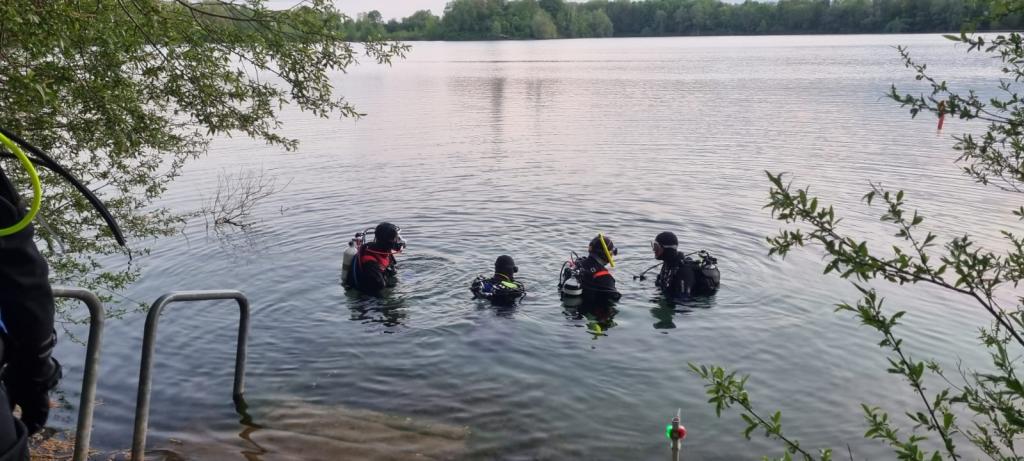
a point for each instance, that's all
(37, 188)
(44, 160)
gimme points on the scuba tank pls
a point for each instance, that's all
(349, 256)
(708, 277)
(569, 278)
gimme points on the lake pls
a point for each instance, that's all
(531, 148)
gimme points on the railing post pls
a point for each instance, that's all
(87, 402)
(149, 344)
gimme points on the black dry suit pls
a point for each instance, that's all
(597, 283)
(502, 288)
(374, 267)
(373, 270)
(682, 276)
(27, 315)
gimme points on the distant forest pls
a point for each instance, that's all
(545, 19)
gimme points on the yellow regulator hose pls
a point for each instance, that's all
(37, 188)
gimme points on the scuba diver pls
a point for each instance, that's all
(681, 276)
(372, 267)
(588, 289)
(27, 306)
(588, 277)
(27, 335)
(502, 288)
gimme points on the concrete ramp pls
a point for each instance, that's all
(296, 431)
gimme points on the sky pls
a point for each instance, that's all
(388, 8)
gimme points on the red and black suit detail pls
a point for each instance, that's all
(597, 283)
(373, 270)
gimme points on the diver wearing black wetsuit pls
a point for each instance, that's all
(597, 283)
(28, 337)
(504, 270)
(375, 266)
(502, 288)
(680, 276)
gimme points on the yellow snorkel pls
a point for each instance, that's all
(607, 253)
(37, 189)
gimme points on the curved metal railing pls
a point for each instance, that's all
(149, 344)
(87, 402)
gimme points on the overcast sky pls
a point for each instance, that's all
(388, 8)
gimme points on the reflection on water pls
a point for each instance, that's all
(663, 313)
(507, 311)
(598, 318)
(505, 308)
(665, 309)
(386, 308)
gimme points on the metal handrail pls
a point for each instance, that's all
(92, 358)
(149, 344)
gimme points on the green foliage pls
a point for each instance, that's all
(726, 390)
(518, 19)
(994, 400)
(869, 310)
(543, 26)
(997, 156)
(124, 92)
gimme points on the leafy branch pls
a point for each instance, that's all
(994, 398)
(869, 310)
(726, 390)
(978, 272)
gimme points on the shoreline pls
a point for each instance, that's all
(485, 40)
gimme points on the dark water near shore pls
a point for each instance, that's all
(530, 149)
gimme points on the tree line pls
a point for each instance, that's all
(545, 19)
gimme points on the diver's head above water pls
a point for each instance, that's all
(505, 266)
(603, 250)
(665, 245)
(388, 237)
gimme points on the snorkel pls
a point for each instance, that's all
(37, 189)
(607, 253)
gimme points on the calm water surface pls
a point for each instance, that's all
(530, 149)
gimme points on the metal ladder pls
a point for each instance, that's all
(92, 355)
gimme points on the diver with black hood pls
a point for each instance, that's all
(682, 276)
(502, 288)
(371, 267)
(588, 277)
